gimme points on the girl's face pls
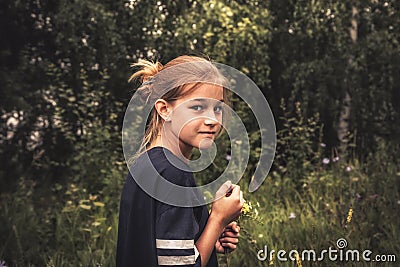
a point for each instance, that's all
(196, 117)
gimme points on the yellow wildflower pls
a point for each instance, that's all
(96, 223)
(246, 208)
(98, 204)
(298, 260)
(85, 207)
(349, 215)
(271, 260)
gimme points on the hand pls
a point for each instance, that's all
(229, 238)
(228, 204)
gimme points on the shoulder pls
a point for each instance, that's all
(170, 167)
(158, 170)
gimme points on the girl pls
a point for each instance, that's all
(151, 232)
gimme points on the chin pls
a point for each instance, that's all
(205, 143)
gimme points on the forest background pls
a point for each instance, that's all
(330, 71)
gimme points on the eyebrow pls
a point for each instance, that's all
(204, 100)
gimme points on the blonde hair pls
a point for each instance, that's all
(148, 71)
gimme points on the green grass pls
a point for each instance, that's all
(303, 204)
(320, 209)
(309, 213)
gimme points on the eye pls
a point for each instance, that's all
(197, 107)
(218, 109)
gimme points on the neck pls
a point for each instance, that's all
(172, 143)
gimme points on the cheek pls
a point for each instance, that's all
(177, 122)
(184, 127)
(220, 117)
(181, 118)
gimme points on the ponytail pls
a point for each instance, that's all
(147, 70)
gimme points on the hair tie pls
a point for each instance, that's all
(148, 82)
(145, 91)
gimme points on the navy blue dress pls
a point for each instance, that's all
(152, 233)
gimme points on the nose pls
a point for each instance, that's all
(211, 121)
(210, 118)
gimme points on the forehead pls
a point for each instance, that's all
(204, 90)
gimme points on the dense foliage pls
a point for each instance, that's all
(329, 69)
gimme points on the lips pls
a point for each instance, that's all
(207, 132)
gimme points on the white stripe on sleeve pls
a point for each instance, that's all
(174, 244)
(196, 253)
(176, 260)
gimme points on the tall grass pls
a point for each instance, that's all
(305, 203)
(315, 197)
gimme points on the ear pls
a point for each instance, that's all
(163, 109)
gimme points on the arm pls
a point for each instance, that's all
(224, 210)
(175, 234)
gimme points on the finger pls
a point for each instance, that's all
(230, 234)
(237, 228)
(219, 248)
(224, 189)
(231, 240)
(229, 192)
(230, 230)
(229, 246)
(233, 226)
(236, 190)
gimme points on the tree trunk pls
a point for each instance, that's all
(343, 124)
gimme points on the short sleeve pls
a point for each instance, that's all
(176, 228)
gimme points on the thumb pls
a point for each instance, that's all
(223, 189)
